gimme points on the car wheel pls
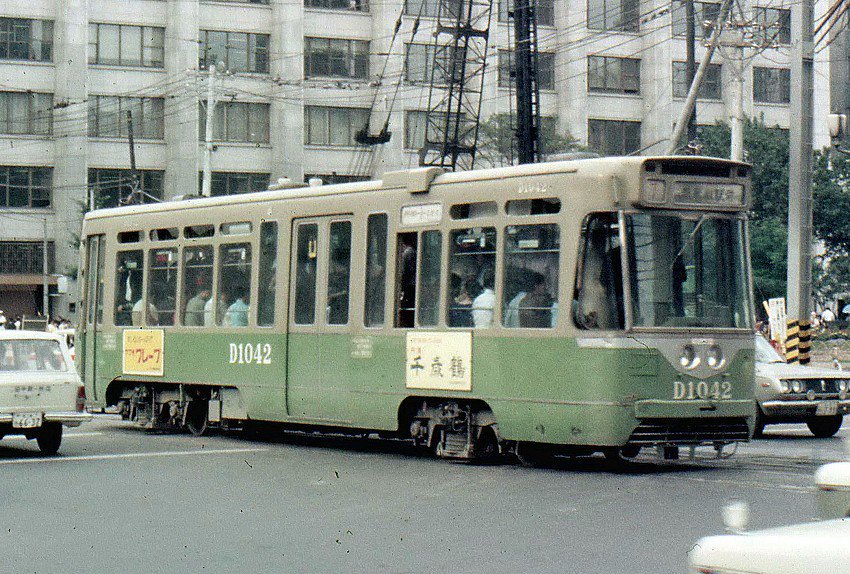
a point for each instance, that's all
(758, 428)
(50, 438)
(825, 427)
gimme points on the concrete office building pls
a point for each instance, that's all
(295, 82)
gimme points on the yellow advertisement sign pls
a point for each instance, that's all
(439, 361)
(143, 352)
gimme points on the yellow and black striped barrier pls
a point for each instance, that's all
(792, 341)
(805, 341)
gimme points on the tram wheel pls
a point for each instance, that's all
(486, 446)
(758, 429)
(825, 427)
(621, 454)
(533, 454)
(197, 421)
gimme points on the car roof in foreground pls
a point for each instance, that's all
(796, 549)
(6, 334)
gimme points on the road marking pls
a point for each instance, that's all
(754, 484)
(64, 435)
(130, 455)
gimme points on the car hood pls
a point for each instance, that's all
(791, 371)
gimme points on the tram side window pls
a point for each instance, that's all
(530, 294)
(472, 268)
(599, 282)
(376, 269)
(268, 274)
(234, 285)
(405, 297)
(162, 286)
(339, 272)
(429, 278)
(306, 259)
(197, 285)
(129, 303)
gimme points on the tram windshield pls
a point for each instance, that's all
(688, 272)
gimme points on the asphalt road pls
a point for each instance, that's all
(118, 499)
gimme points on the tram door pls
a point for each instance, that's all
(92, 312)
(317, 343)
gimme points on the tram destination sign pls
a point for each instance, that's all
(708, 194)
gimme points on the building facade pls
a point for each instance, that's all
(293, 84)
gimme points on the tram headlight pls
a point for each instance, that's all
(689, 358)
(715, 357)
(842, 385)
(784, 386)
(797, 386)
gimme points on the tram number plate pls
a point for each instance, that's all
(827, 408)
(26, 420)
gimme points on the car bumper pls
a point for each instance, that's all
(802, 408)
(70, 418)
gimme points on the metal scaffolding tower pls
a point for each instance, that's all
(457, 79)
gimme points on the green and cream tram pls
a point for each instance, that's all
(569, 307)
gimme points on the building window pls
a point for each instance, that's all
(26, 257)
(121, 45)
(705, 15)
(25, 186)
(613, 137)
(613, 15)
(773, 26)
(239, 51)
(545, 70)
(431, 8)
(545, 11)
(771, 85)
(26, 113)
(238, 122)
(355, 5)
(335, 58)
(110, 186)
(613, 75)
(333, 126)
(710, 89)
(108, 117)
(23, 39)
(334, 177)
(419, 63)
(415, 123)
(233, 183)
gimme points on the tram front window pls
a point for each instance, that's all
(688, 272)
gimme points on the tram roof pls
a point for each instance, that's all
(421, 178)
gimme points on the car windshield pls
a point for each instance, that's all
(688, 272)
(31, 355)
(765, 353)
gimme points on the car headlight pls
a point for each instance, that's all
(797, 386)
(715, 358)
(784, 386)
(842, 385)
(689, 358)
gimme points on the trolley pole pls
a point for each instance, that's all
(208, 137)
(800, 167)
(134, 174)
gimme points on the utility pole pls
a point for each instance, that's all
(206, 186)
(45, 300)
(134, 174)
(690, 100)
(527, 98)
(800, 167)
(690, 65)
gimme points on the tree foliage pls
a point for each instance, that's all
(497, 145)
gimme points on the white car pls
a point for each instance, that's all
(790, 393)
(814, 547)
(39, 388)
